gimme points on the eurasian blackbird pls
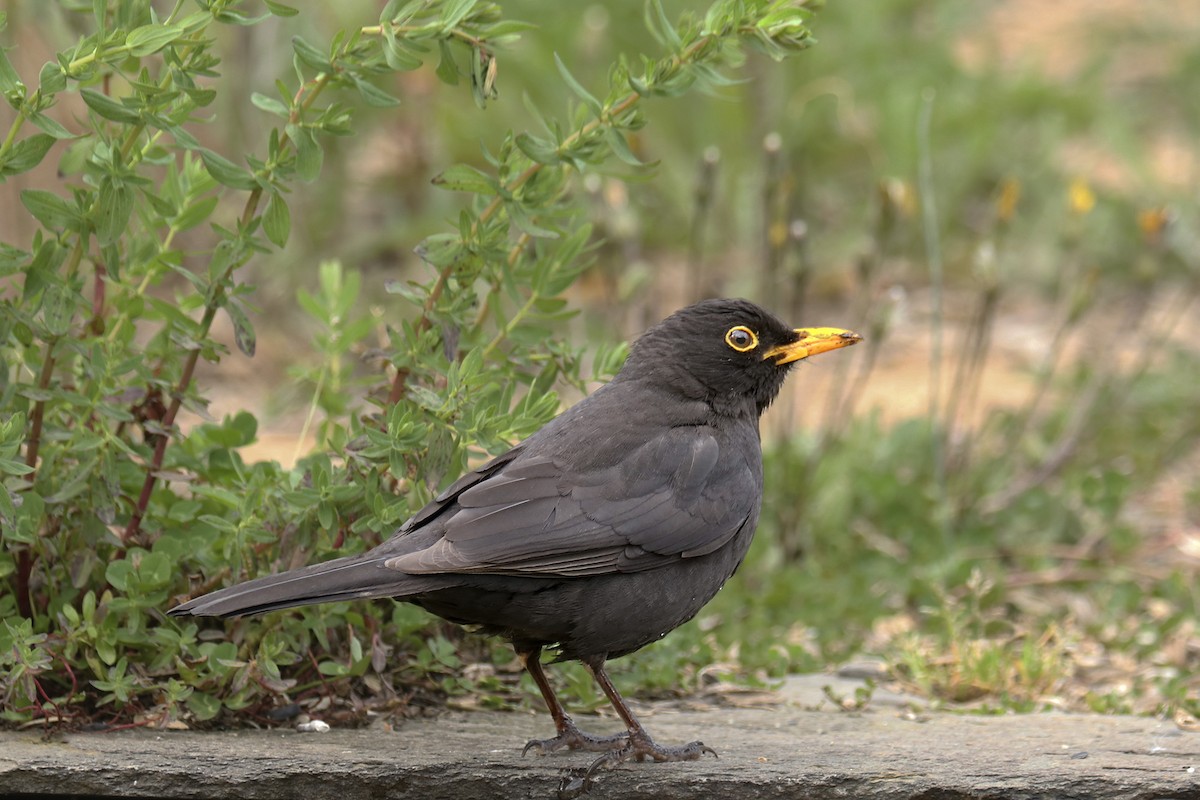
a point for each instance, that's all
(609, 527)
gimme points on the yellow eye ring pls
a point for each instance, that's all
(741, 338)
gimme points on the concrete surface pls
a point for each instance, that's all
(782, 751)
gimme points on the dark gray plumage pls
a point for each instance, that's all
(609, 527)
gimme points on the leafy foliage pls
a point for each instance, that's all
(113, 510)
(1006, 560)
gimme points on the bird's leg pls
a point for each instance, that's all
(640, 744)
(569, 736)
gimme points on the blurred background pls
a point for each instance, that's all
(1060, 153)
(997, 493)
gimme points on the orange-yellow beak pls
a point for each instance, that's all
(811, 342)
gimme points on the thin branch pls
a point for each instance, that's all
(304, 98)
(168, 422)
(32, 446)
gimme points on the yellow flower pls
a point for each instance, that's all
(1080, 197)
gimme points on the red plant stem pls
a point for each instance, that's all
(313, 88)
(24, 571)
(399, 383)
(25, 554)
(168, 421)
(39, 412)
(98, 295)
(70, 672)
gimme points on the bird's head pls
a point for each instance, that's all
(731, 353)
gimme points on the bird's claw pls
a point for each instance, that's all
(571, 738)
(575, 783)
(641, 747)
(579, 782)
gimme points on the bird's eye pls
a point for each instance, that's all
(741, 338)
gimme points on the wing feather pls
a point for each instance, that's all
(672, 497)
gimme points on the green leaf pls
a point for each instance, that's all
(447, 69)
(394, 53)
(106, 650)
(525, 223)
(109, 108)
(279, 9)
(203, 706)
(11, 258)
(309, 154)
(243, 329)
(269, 104)
(277, 221)
(197, 20)
(185, 139)
(439, 249)
(201, 97)
(31, 517)
(325, 515)
(195, 213)
(49, 209)
(77, 156)
(163, 205)
(155, 571)
(333, 669)
(46, 261)
(113, 207)
(588, 99)
(58, 309)
(10, 82)
(391, 8)
(52, 79)
(374, 95)
(507, 31)
(27, 154)
(9, 466)
(226, 172)
(482, 80)
(310, 55)
(118, 573)
(542, 151)
(50, 126)
(454, 12)
(245, 426)
(230, 16)
(660, 26)
(151, 38)
(616, 140)
(465, 178)
(75, 484)
(223, 259)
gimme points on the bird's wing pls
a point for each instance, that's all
(675, 496)
(446, 499)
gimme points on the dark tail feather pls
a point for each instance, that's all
(341, 579)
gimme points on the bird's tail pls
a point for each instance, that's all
(349, 578)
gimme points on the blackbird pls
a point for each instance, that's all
(609, 527)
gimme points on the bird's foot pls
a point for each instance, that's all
(641, 746)
(579, 782)
(571, 738)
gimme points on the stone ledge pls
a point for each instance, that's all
(765, 753)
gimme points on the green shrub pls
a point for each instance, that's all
(110, 511)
